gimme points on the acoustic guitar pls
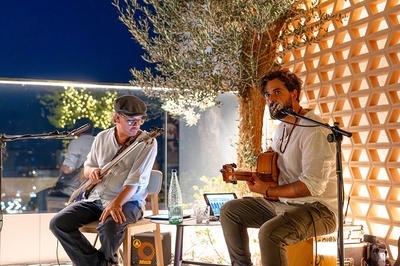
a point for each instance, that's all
(86, 186)
(267, 169)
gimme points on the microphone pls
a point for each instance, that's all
(275, 108)
(79, 130)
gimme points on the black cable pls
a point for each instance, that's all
(58, 260)
(315, 237)
(1, 218)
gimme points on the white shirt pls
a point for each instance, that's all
(75, 156)
(310, 158)
(78, 150)
(133, 170)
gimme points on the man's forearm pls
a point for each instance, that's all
(294, 190)
(126, 193)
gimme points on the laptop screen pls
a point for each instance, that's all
(216, 200)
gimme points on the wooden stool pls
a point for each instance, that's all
(303, 253)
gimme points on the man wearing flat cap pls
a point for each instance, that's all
(118, 198)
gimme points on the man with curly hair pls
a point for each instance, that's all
(303, 202)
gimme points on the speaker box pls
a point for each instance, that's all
(355, 253)
(144, 250)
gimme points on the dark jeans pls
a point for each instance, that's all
(65, 226)
(279, 225)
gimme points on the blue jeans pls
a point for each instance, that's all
(279, 225)
(65, 226)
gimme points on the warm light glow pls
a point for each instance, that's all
(394, 251)
(360, 191)
(395, 233)
(378, 7)
(378, 211)
(379, 193)
(379, 230)
(359, 14)
(359, 208)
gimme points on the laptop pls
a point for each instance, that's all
(216, 200)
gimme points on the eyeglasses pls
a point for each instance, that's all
(133, 122)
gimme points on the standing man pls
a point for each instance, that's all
(118, 198)
(303, 203)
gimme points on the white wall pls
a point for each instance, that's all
(26, 238)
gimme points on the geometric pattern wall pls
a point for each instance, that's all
(352, 77)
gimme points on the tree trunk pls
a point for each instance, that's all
(251, 101)
(251, 112)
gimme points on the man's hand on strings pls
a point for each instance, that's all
(256, 185)
(94, 176)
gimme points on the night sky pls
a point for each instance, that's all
(80, 40)
(69, 40)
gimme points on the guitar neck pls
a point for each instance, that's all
(104, 171)
(246, 176)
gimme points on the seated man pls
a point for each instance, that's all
(70, 171)
(76, 154)
(303, 203)
(117, 198)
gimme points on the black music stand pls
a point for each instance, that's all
(337, 137)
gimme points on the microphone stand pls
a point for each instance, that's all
(337, 137)
(52, 135)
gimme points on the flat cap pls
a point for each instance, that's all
(130, 105)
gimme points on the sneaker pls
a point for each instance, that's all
(120, 259)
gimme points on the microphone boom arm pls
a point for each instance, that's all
(335, 128)
(52, 135)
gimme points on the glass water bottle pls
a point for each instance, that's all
(175, 209)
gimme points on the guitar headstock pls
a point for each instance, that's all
(154, 133)
(228, 173)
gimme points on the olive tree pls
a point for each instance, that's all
(198, 49)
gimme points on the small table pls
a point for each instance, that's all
(179, 239)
